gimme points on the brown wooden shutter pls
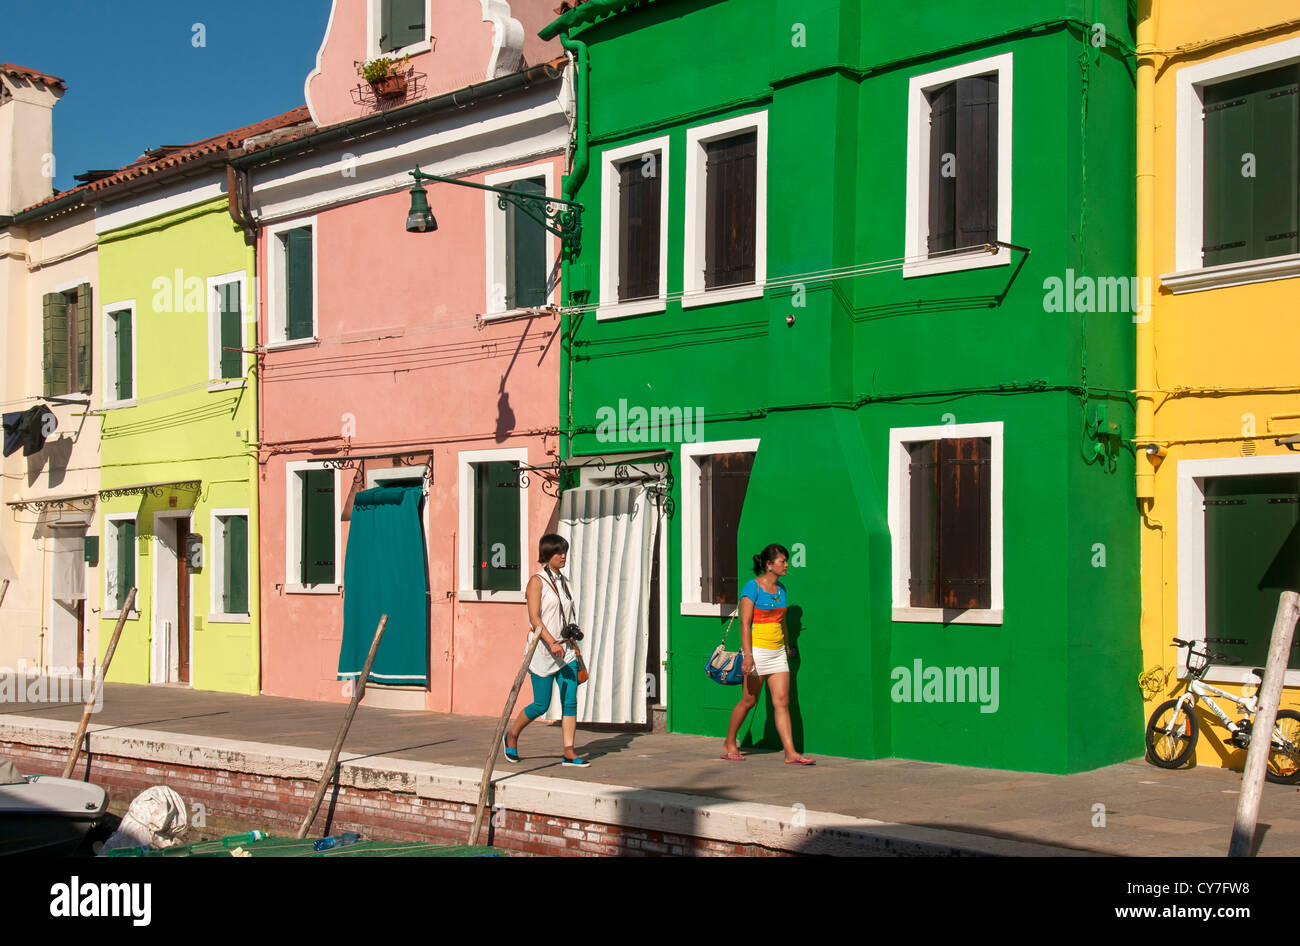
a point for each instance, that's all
(942, 190)
(726, 482)
(923, 526)
(85, 337)
(977, 161)
(54, 362)
(638, 229)
(964, 523)
(731, 208)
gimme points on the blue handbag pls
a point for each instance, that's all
(725, 666)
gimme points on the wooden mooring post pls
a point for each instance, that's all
(1261, 733)
(94, 686)
(332, 764)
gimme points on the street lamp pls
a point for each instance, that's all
(561, 217)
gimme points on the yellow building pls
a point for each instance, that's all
(1218, 374)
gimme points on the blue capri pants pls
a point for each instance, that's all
(542, 687)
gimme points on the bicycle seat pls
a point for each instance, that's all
(1259, 672)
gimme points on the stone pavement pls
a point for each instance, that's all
(1148, 811)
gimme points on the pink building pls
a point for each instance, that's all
(426, 363)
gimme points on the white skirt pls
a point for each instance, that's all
(770, 661)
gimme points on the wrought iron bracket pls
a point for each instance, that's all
(563, 218)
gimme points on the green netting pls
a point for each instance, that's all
(292, 847)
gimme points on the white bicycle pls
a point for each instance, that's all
(1173, 729)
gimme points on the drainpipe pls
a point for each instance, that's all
(1145, 341)
(572, 181)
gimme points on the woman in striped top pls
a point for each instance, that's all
(763, 645)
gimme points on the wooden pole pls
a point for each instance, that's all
(94, 686)
(1261, 733)
(3, 590)
(343, 730)
(486, 782)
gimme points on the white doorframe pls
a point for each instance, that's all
(162, 648)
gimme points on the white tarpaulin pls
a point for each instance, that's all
(69, 569)
(611, 535)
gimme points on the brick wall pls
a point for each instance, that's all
(233, 802)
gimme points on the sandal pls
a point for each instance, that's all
(800, 761)
(576, 761)
(733, 757)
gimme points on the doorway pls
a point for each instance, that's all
(67, 600)
(171, 617)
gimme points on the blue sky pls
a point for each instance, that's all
(136, 78)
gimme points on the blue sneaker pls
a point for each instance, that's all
(512, 755)
(577, 762)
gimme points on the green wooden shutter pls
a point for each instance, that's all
(496, 523)
(55, 359)
(401, 24)
(234, 565)
(125, 372)
(125, 559)
(230, 332)
(317, 527)
(298, 287)
(1275, 230)
(85, 336)
(525, 252)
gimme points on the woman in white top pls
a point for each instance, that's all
(550, 608)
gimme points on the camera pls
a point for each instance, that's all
(571, 632)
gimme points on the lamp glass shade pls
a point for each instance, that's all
(420, 219)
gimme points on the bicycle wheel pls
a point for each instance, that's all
(1171, 735)
(1284, 754)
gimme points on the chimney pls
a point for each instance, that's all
(27, 99)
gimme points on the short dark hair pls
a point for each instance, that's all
(550, 545)
(769, 554)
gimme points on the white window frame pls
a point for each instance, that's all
(900, 511)
(215, 382)
(1191, 475)
(916, 260)
(696, 214)
(293, 531)
(1189, 208)
(110, 401)
(610, 307)
(372, 33)
(496, 239)
(217, 566)
(278, 315)
(109, 563)
(692, 528)
(465, 460)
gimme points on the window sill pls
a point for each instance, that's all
(114, 405)
(1233, 274)
(225, 385)
(707, 610)
(229, 619)
(946, 616)
(699, 297)
(1242, 675)
(423, 46)
(292, 589)
(502, 597)
(292, 343)
(623, 310)
(957, 262)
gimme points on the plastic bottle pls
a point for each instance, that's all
(336, 840)
(237, 840)
(138, 851)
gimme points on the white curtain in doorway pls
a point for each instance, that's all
(68, 568)
(611, 535)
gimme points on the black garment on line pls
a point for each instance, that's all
(24, 429)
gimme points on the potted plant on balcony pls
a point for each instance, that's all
(387, 76)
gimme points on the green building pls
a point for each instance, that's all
(880, 255)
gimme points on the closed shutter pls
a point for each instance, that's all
(943, 156)
(638, 229)
(496, 527)
(125, 373)
(234, 565)
(402, 23)
(964, 523)
(55, 355)
(977, 161)
(525, 252)
(317, 527)
(230, 334)
(1251, 124)
(923, 524)
(85, 336)
(726, 482)
(298, 282)
(125, 559)
(730, 220)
